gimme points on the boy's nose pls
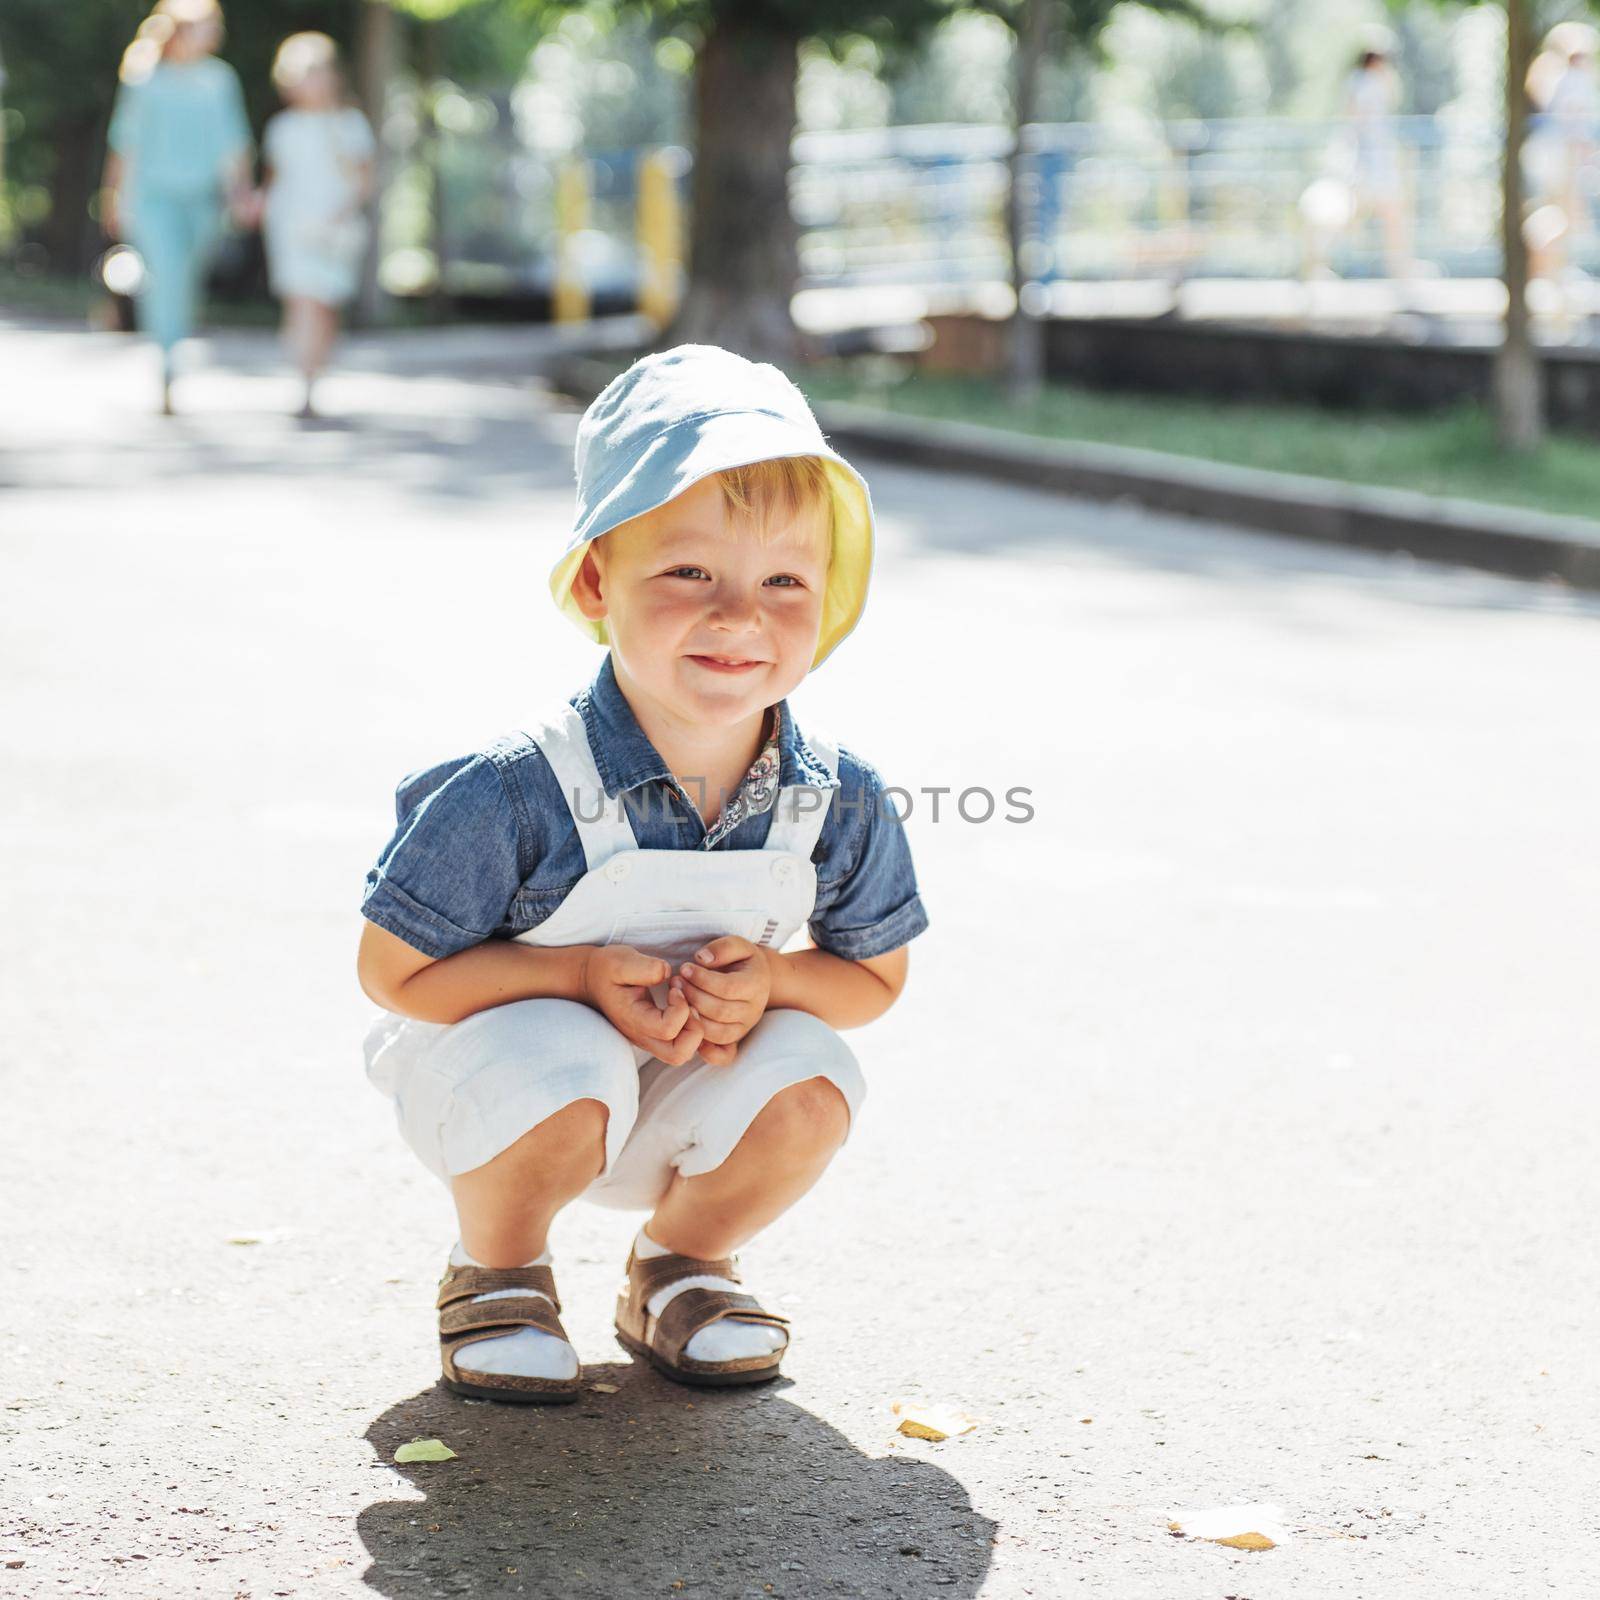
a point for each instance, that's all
(733, 611)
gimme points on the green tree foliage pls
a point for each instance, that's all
(894, 25)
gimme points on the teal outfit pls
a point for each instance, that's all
(176, 131)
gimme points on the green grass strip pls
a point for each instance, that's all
(1448, 453)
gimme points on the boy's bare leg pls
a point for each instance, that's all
(507, 1205)
(782, 1154)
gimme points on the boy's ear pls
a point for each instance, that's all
(588, 586)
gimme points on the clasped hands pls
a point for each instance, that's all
(712, 1001)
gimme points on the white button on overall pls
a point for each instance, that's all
(616, 869)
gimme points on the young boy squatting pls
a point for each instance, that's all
(577, 934)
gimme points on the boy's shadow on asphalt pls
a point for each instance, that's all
(734, 1492)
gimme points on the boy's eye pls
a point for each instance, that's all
(785, 579)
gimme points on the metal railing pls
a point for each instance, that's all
(1246, 197)
(1269, 198)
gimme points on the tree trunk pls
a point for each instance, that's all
(743, 251)
(5, 236)
(377, 55)
(1518, 385)
(431, 144)
(1025, 332)
(67, 234)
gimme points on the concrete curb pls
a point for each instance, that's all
(1504, 539)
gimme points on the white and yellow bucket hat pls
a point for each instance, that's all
(676, 416)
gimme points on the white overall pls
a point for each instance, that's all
(464, 1091)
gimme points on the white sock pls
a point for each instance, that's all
(724, 1340)
(527, 1353)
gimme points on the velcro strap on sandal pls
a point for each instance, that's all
(519, 1311)
(462, 1283)
(656, 1272)
(693, 1309)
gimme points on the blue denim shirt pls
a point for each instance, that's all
(486, 847)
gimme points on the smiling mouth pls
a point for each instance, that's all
(729, 662)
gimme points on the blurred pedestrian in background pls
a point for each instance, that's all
(1560, 150)
(1372, 99)
(179, 151)
(319, 156)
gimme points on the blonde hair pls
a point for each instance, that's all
(301, 53)
(148, 47)
(752, 494)
(792, 484)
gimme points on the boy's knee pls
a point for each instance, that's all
(578, 1127)
(572, 1141)
(813, 1112)
(565, 1147)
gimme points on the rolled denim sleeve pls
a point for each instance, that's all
(447, 878)
(877, 908)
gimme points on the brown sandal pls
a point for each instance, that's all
(660, 1340)
(462, 1323)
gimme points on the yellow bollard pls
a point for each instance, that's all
(659, 228)
(570, 296)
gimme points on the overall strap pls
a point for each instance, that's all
(801, 809)
(602, 824)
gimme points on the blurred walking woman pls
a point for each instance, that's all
(179, 150)
(319, 155)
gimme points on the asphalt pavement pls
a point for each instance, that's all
(1233, 1140)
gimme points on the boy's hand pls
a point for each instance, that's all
(616, 982)
(727, 989)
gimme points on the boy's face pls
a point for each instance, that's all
(685, 585)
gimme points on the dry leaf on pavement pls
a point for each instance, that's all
(1247, 1527)
(922, 1419)
(425, 1450)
